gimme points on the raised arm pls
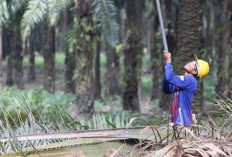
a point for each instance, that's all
(184, 82)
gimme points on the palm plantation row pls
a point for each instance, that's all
(122, 27)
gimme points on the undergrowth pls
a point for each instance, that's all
(29, 112)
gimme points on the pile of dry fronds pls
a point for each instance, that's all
(202, 140)
(183, 142)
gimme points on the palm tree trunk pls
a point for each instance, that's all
(0, 58)
(112, 76)
(230, 57)
(84, 54)
(130, 96)
(188, 42)
(133, 55)
(70, 61)
(10, 63)
(70, 58)
(221, 83)
(97, 91)
(18, 58)
(155, 94)
(230, 74)
(123, 25)
(168, 11)
(31, 72)
(49, 59)
(210, 39)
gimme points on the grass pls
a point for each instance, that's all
(39, 60)
(146, 86)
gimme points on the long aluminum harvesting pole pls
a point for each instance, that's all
(162, 25)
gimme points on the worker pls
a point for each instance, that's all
(183, 88)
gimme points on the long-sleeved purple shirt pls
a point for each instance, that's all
(183, 88)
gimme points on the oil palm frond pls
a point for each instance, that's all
(55, 7)
(38, 10)
(35, 12)
(106, 14)
(4, 14)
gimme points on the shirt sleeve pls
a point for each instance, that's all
(167, 87)
(184, 82)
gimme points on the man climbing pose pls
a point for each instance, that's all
(183, 88)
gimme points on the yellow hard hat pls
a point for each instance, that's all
(202, 67)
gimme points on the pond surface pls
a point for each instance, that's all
(91, 150)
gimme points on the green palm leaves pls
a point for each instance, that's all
(106, 14)
(3, 12)
(38, 10)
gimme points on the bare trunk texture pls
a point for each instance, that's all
(210, 39)
(31, 71)
(70, 58)
(97, 91)
(84, 53)
(112, 76)
(70, 61)
(230, 57)
(155, 60)
(133, 55)
(10, 61)
(221, 82)
(188, 42)
(18, 58)
(49, 59)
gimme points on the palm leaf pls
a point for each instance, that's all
(4, 14)
(35, 12)
(16, 5)
(106, 14)
(38, 10)
(54, 9)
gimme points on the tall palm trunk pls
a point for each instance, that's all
(168, 10)
(154, 59)
(97, 91)
(31, 72)
(0, 58)
(49, 59)
(221, 83)
(84, 54)
(210, 38)
(70, 58)
(230, 55)
(133, 55)
(112, 73)
(123, 24)
(189, 41)
(10, 63)
(18, 58)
